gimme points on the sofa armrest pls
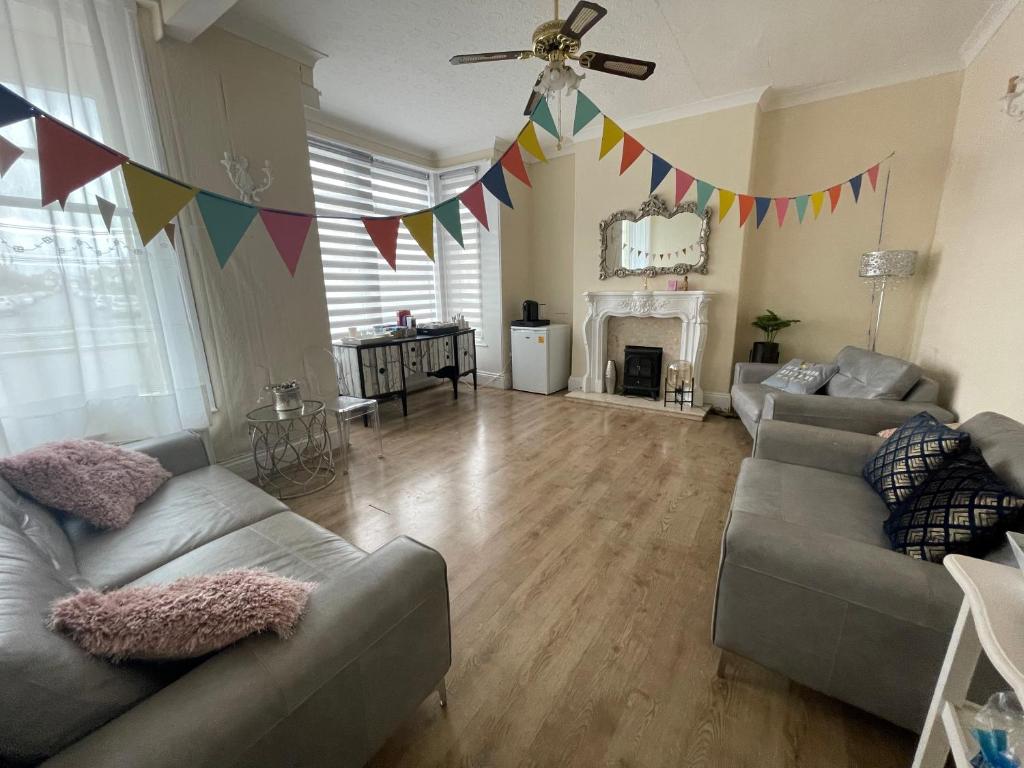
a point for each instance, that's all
(375, 640)
(178, 453)
(852, 414)
(753, 373)
(830, 449)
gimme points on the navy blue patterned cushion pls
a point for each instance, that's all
(963, 507)
(904, 461)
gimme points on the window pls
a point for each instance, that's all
(362, 290)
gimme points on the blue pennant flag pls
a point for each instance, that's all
(855, 186)
(659, 170)
(13, 108)
(226, 221)
(762, 204)
(494, 181)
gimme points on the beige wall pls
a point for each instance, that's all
(551, 238)
(217, 94)
(970, 326)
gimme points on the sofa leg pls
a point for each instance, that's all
(720, 667)
(442, 693)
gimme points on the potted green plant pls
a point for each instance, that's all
(770, 323)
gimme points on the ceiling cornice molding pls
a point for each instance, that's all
(983, 31)
(333, 127)
(247, 29)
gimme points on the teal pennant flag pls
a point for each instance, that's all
(226, 221)
(586, 111)
(542, 117)
(704, 191)
(448, 214)
(801, 206)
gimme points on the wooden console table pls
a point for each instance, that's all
(378, 369)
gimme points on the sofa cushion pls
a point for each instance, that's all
(188, 511)
(1001, 441)
(41, 526)
(800, 377)
(872, 376)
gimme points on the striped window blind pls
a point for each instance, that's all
(460, 267)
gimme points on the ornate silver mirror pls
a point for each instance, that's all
(656, 240)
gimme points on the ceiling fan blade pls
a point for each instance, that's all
(534, 98)
(638, 69)
(583, 17)
(476, 58)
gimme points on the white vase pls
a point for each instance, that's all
(610, 376)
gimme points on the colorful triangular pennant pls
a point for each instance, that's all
(473, 199)
(683, 182)
(659, 170)
(421, 227)
(451, 219)
(542, 117)
(494, 181)
(155, 199)
(512, 161)
(746, 206)
(226, 221)
(781, 206)
(704, 191)
(528, 141)
(762, 204)
(68, 160)
(801, 207)
(725, 200)
(107, 209)
(833, 196)
(873, 176)
(586, 111)
(9, 153)
(384, 234)
(611, 135)
(169, 230)
(13, 108)
(855, 186)
(631, 150)
(288, 231)
(817, 198)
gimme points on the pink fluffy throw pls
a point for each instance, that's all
(97, 482)
(186, 618)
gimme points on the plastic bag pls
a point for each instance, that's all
(999, 730)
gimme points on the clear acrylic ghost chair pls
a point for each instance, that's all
(345, 408)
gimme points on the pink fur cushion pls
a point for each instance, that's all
(186, 618)
(97, 482)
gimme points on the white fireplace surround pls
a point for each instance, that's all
(691, 307)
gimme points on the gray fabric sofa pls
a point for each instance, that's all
(375, 640)
(871, 392)
(808, 585)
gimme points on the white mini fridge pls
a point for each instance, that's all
(540, 358)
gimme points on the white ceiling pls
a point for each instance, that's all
(387, 76)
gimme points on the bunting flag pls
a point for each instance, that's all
(8, 155)
(288, 231)
(68, 160)
(586, 111)
(833, 196)
(494, 181)
(683, 182)
(746, 206)
(473, 199)
(421, 227)
(873, 176)
(451, 219)
(725, 200)
(801, 207)
(107, 209)
(528, 141)
(512, 161)
(169, 230)
(13, 108)
(542, 117)
(781, 206)
(226, 222)
(631, 150)
(384, 234)
(762, 204)
(855, 186)
(704, 191)
(611, 135)
(659, 170)
(817, 198)
(155, 199)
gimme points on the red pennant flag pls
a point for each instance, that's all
(68, 160)
(8, 154)
(288, 231)
(746, 206)
(833, 196)
(512, 161)
(384, 233)
(473, 199)
(683, 182)
(631, 150)
(781, 206)
(873, 176)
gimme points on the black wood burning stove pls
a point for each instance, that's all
(641, 374)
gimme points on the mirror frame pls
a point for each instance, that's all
(655, 206)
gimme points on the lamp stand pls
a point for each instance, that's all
(876, 314)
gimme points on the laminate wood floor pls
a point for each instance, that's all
(582, 546)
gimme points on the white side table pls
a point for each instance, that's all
(991, 620)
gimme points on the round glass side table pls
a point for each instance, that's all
(291, 449)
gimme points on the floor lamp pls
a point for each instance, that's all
(883, 269)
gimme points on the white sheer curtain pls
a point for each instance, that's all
(97, 334)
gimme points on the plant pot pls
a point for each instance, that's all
(765, 352)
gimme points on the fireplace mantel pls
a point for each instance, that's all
(690, 307)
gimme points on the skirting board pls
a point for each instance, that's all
(497, 380)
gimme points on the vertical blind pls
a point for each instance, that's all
(460, 267)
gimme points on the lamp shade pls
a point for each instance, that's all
(887, 264)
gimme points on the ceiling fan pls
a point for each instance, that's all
(557, 40)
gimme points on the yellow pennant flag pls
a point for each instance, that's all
(155, 199)
(528, 141)
(611, 135)
(817, 198)
(725, 201)
(421, 227)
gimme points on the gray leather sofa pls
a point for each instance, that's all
(808, 585)
(374, 642)
(871, 392)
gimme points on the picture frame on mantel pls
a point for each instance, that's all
(613, 246)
